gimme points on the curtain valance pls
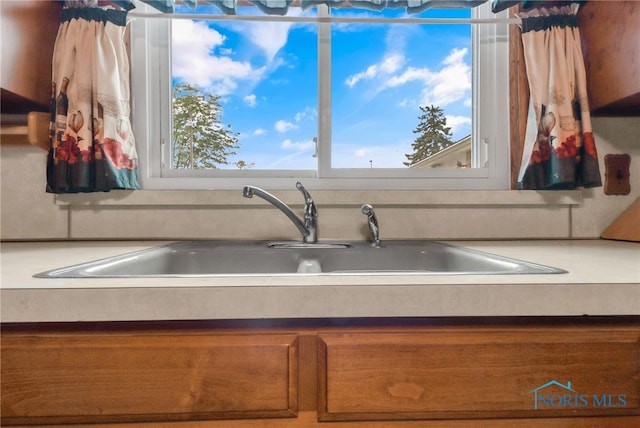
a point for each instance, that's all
(545, 22)
(280, 7)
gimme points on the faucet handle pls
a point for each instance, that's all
(310, 214)
(310, 210)
(307, 195)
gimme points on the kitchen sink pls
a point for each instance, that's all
(230, 258)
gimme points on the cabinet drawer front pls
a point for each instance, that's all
(147, 378)
(469, 374)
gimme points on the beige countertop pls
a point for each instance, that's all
(603, 279)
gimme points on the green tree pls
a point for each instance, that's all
(433, 135)
(244, 165)
(200, 140)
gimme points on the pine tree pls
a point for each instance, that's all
(200, 140)
(433, 135)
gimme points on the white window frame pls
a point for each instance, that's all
(151, 97)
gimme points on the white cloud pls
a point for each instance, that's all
(186, 32)
(299, 146)
(456, 56)
(390, 64)
(448, 84)
(409, 75)
(270, 37)
(250, 100)
(369, 73)
(193, 46)
(259, 131)
(309, 113)
(284, 126)
(457, 122)
(452, 83)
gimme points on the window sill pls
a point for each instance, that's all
(333, 198)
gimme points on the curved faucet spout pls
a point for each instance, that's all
(308, 227)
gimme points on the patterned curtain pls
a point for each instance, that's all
(92, 146)
(559, 148)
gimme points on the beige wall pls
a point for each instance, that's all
(28, 213)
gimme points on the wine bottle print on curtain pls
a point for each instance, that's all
(52, 114)
(62, 107)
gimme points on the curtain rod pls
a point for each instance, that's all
(215, 17)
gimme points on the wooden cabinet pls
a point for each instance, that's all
(611, 46)
(75, 378)
(339, 373)
(29, 29)
(461, 374)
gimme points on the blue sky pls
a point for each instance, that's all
(266, 74)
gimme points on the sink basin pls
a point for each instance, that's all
(224, 258)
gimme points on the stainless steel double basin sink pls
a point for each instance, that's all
(234, 258)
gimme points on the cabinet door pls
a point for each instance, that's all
(28, 31)
(610, 39)
(114, 378)
(479, 373)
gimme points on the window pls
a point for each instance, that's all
(333, 102)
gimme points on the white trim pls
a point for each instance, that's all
(324, 96)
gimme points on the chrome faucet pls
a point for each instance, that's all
(367, 210)
(308, 227)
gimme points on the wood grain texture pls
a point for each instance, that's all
(105, 378)
(627, 226)
(28, 29)
(610, 33)
(518, 99)
(488, 374)
(308, 419)
(302, 373)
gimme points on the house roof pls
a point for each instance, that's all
(459, 146)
